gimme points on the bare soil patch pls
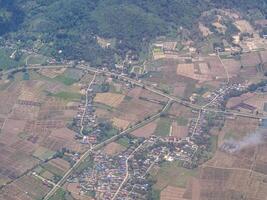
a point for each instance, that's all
(113, 148)
(145, 131)
(110, 99)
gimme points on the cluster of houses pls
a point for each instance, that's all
(85, 122)
(124, 175)
(104, 177)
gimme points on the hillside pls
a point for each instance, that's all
(10, 16)
(72, 25)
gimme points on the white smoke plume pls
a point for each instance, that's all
(254, 139)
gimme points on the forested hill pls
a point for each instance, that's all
(72, 25)
(10, 16)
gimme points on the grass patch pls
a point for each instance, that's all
(103, 106)
(39, 170)
(230, 135)
(265, 107)
(189, 89)
(23, 135)
(36, 59)
(65, 80)
(88, 163)
(163, 127)
(128, 98)
(109, 134)
(6, 62)
(53, 169)
(214, 143)
(61, 194)
(154, 194)
(68, 96)
(171, 173)
(124, 141)
(43, 153)
(181, 121)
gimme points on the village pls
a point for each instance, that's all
(125, 175)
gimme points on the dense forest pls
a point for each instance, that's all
(72, 25)
(10, 16)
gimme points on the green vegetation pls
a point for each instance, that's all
(36, 59)
(173, 174)
(65, 80)
(10, 16)
(214, 143)
(43, 153)
(108, 133)
(68, 28)
(61, 194)
(154, 194)
(103, 106)
(124, 141)
(6, 62)
(182, 121)
(54, 170)
(265, 107)
(68, 96)
(23, 135)
(87, 163)
(163, 127)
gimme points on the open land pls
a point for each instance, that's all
(188, 123)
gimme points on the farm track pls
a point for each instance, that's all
(250, 170)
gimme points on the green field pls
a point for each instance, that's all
(65, 80)
(68, 96)
(108, 134)
(87, 163)
(265, 107)
(43, 153)
(171, 173)
(6, 62)
(163, 127)
(36, 59)
(181, 121)
(214, 143)
(124, 141)
(61, 194)
(53, 169)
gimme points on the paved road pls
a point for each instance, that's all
(140, 84)
(87, 153)
(86, 104)
(127, 172)
(171, 98)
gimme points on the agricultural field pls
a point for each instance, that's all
(33, 130)
(231, 130)
(163, 127)
(171, 175)
(145, 131)
(127, 107)
(10, 58)
(113, 148)
(172, 193)
(109, 99)
(173, 106)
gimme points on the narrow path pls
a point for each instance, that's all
(43, 179)
(127, 171)
(225, 69)
(86, 104)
